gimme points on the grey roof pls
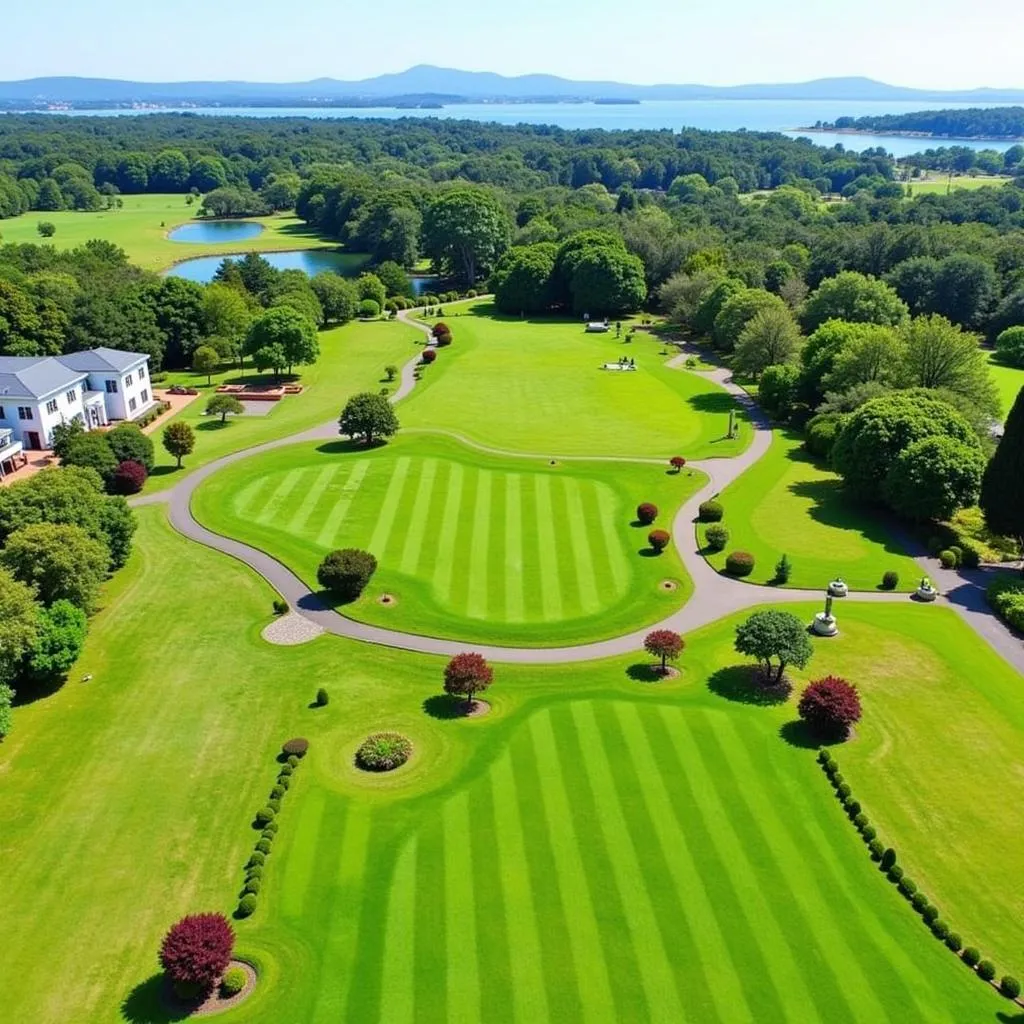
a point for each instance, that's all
(100, 360)
(35, 376)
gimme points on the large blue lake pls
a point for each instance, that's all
(786, 116)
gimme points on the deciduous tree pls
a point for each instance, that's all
(223, 404)
(466, 229)
(368, 416)
(196, 951)
(778, 635)
(664, 644)
(206, 360)
(179, 439)
(466, 675)
(1002, 486)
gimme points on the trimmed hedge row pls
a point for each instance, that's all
(885, 857)
(265, 819)
(1005, 595)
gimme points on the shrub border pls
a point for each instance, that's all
(887, 862)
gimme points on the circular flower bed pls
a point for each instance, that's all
(383, 752)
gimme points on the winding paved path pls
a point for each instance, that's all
(714, 595)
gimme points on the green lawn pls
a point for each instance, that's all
(788, 503)
(352, 358)
(940, 185)
(140, 227)
(497, 549)
(597, 848)
(1008, 381)
(538, 386)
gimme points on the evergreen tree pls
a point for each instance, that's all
(1002, 486)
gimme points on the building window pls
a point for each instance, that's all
(51, 406)
(24, 412)
(145, 396)
(127, 380)
(111, 387)
(72, 396)
(142, 373)
(131, 404)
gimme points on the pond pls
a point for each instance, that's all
(212, 232)
(310, 261)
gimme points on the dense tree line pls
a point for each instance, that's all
(965, 123)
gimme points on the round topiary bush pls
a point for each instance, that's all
(646, 513)
(954, 942)
(860, 820)
(277, 792)
(940, 929)
(283, 782)
(322, 698)
(986, 970)
(658, 540)
(267, 834)
(895, 873)
(739, 563)
(256, 871)
(853, 808)
(947, 559)
(252, 885)
(286, 770)
(1009, 986)
(429, 355)
(196, 950)
(274, 804)
(295, 748)
(843, 789)
(256, 860)
(869, 833)
(837, 780)
(716, 536)
(919, 902)
(233, 982)
(830, 707)
(264, 816)
(930, 914)
(875, 849)
(890, 580)
(345, 573)
(369, 309)
(971, 956)
(824, 756)
(292, 762)
(246, 905)
(888, 859)
(908, 887)
(710, 511)
(263, 846)
(383, 752)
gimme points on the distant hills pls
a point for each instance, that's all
(427, 85)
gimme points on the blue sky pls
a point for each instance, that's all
(930, 43)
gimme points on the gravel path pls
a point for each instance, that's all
(715, 595)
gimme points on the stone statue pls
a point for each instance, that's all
(828, 606)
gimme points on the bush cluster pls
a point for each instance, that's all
(264, 819)
(346, 572)
(1006, 597)
(710, 511)
(280, 607)
(907, 887)
(383, 752)
(890, 580)
(739, 563)
(442, 333)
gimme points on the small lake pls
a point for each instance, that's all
(211, 232)
(309, 261)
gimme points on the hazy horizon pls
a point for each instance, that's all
(739, 44)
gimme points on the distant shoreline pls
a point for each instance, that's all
(906, 134)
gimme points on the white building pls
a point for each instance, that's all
(96, 387)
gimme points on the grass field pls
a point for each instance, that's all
(594, 849)
(1008, 381)
(352, 358)
(471, 545)
(788, 503)
(140, 227)
(537, 386)
(940, 185)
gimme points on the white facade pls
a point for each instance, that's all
(94, 387)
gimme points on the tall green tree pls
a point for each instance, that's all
(368, 416)
(466, 230)
(769, 338)
(1002, 486)
(58, 562)
(288, 329)
(853, 297)
(19, 625)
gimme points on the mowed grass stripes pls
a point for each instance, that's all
(470, 546)
(641, 862)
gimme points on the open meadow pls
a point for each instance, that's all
(141, 225)
(469, 545)
(595, 848)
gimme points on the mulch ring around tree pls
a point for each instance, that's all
(215, 1002)
(647, 672)
(668, 585)
(477, 709)
(388, 600)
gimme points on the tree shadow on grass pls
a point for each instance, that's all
(742, 683)
(798, 734)
(644, 672)
(346, 446)
(1010, 1018)
(445, 707)
(214, 424)
(147, 1004)
(166, 470)
(714, 402)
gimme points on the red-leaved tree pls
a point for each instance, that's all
(658, 539)
(665, 644)
(466, 675)
(429, 355)
(677, 462)
(646, 513)
(830, 706)
(196, 951)
(129, 477)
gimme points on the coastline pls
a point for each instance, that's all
(878, 133)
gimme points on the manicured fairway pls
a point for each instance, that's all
(140, 227)
(537, 386)
(1008, 381)
(352, 358)
(941, 185)
(788, 503)
(472, 546)
(595, 849)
